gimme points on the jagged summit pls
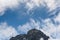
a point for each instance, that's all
(32, 34)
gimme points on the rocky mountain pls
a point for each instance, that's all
(32, 34)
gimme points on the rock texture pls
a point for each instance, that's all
(32, 34)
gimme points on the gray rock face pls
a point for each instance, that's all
(31, 35)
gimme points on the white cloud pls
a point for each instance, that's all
(7, 4)
(51, 4)
(58, 4)
(24, 28)
(57, 18)
(53, 29)
(28, 26)
(34, 3)
(6, 32)
(49, 25)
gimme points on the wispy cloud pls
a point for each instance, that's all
(51, 4)
(26, 27)
(57, 18)
(30, 4)
(48, 27)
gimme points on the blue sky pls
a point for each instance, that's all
(19, 16)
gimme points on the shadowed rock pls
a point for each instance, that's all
(33, 34)
(20, 37)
